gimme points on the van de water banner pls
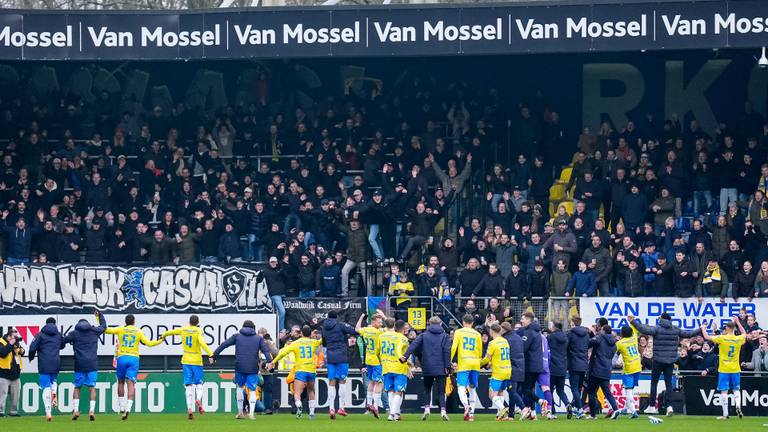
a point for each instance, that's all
(74, 288)
(382, 31)
(702, 397)
(299, 311)
(686, 313)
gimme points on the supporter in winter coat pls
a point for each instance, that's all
(599, 261)
(685, 275)
(516, 286)
(561, 245)
(306, 275)
(505, 254)
(582, 283)
(634, 208)
(714, 281)
(329, 278)
(470, 277)
(492, 284)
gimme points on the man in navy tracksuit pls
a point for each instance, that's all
(85, 342)
(578, 362)
(530, 332)
(247, 344)
(335, 334)
(517, 358)
(46, 347)
(558, 361)
(434, 350)
(603, 345)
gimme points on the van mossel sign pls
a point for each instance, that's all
(382, 31)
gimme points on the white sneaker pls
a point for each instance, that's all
(670, 411)
(651, 410)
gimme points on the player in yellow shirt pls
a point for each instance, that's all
(396, 372)
(467, 346)
(729, 368)
(193, 345)
(304, 350)
(627, 347)
(127, 369)
(498, 357)
(371, 362)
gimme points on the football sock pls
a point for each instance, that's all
(724, 402)
(240, 398)
(342, 395)
(76, 403)
(92, 407)
(252, 401)
(463, 396)
(312, 405)
(189, 393)
(472, 399)
(331, 397)
(47, 398)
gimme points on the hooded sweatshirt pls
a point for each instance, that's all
(46, 346)
(578, 346)
(532, 347)
(335, 334)
(558, 353)
(85, 342)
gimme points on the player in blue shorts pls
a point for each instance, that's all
(394, 345)
(335, 335)
(85, 343)
(46, 347)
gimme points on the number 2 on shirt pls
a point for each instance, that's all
(468, 344)
(731, 349)
(129, 341)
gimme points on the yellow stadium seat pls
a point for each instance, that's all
(565, 174)
(568, 206)
(557, 192)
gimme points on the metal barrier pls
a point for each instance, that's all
(549, 310)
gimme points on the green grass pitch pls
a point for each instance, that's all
(360, 423)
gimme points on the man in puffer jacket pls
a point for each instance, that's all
(46, 346)
(666, 339)
(603, 345)
(335, 335)
(582, 284)
(558, 360)
(247, 344)
(578, 349)
(534, 358)
(85, 342)
(434, 350)
(306, 275)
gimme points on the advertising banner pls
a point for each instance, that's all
(216, 328)
(702, 397)
(382, 31)
(687, 313)
(299, 311)
(78, 288)
(164, 392)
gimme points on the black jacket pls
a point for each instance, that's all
(666, 338)
(578, 347)
(85, 342)
(558, 353)
(46, 346)
(516, 355)
(517, 287)
(335, 334)
(433, 347)
(601, 361)
(275, 278)
(534, 356)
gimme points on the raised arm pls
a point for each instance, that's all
(224, 345)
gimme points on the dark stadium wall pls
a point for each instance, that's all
(708, 85)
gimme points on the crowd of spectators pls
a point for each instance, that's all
(361, 180)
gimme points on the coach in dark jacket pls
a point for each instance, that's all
(335, 334)
(530, 332)
(578, 348)
(558, 360)
(517, 358)
(434, 350)
(603, 345)
(247, 346)
(85, 343)
(46, 346)
(666, 339)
